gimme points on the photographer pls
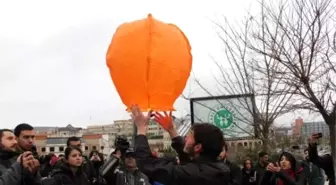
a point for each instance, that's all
(325, 162)
(122, 169)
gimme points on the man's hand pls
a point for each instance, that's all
(166, 122)
(26, 160)
(140, 120)
(313, 139)
(35, 166)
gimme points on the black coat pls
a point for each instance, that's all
(201, 171)
(235, 173)
(65, 176)
(249, 177)
(8, 161)
(325, 162)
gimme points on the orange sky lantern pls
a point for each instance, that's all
(150, 62)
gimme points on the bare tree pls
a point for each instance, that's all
(244, 71)
(300, 35)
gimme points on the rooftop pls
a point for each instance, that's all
(57, 141)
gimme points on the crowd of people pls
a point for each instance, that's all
(201, 160)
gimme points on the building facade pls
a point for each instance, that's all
(57, 145)
(157, 137)
(296, 127)
(308, 128)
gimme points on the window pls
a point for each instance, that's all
(61, 149)
(94, 147)
(43, 149)
(86, 148)
(52, 149)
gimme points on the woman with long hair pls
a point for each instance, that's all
(249, 174)
(70, 171)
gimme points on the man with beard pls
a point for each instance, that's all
(313, 173)
(203, 145)
(13, 169)
(261, 165)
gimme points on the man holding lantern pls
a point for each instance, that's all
(203, 145)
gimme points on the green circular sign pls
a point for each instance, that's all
(222, 117)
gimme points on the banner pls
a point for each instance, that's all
(232, 114)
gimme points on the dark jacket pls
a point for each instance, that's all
(260, 169)
(201, 171)
(314, 174)
(87, 167)
(325, 162)
(249, 177)
(13, 175)
(125, 177)
(235, 173)
(8, 159)
(65, 176)
(271, 178)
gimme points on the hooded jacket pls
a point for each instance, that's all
(283, 177)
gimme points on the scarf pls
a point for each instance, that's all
(291, 174)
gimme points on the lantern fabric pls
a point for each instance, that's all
(150, 62)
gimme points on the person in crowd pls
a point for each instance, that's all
(87, 164)
(8, 154)
(48, 164)
(260, 167)
(26, 138)
(235, 171)
(249, 174)
(60, 157)
(127, 172)
(14, 170)
(314, 174)
(97, 160)
(203, 144)
(324, 162)
(285, 172)
(71, 171)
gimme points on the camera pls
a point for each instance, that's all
(109, 168)
(121, 143)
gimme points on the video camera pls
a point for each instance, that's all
(121, 143)
(109, 168)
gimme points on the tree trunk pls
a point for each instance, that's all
(265, 140)
(332, 130)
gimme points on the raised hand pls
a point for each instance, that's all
(273, 168)
(140, 120)
(166, 120)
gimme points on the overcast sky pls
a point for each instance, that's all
(52, 55)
